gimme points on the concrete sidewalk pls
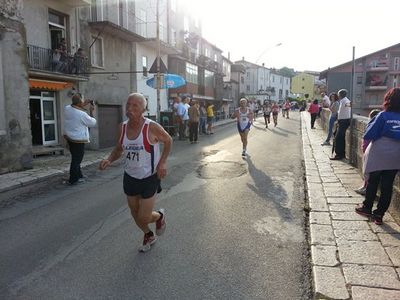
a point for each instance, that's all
(45, 167)
(352, 258)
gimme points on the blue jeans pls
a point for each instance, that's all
(332, 121)
(203, 121)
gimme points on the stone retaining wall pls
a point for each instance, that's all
(354, 152)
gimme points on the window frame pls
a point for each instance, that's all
(93, 53)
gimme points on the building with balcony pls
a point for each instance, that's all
(198, 61)
(375, 74)
(54, 64)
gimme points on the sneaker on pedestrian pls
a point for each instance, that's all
(362, 210)
(244, 153)
(148, 240)
(377, 219)
(326, 143)
(160, 223)
(81, 180)
(361, 191)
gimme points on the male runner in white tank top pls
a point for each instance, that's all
(244, 117)
(144, 166)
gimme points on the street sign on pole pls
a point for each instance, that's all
(153, 68)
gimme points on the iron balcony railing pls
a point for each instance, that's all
(53, 61)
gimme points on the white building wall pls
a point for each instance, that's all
(36, 20)
(149, 6)
(147, 91)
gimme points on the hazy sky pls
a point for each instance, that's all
(315, 34)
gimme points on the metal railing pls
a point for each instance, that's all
(50, 60)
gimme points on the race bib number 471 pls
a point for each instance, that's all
(132, 155)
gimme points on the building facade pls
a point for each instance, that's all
(303, 85)
(375, 74)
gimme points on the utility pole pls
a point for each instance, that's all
(158, 76)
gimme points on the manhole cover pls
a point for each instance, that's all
(221, 169)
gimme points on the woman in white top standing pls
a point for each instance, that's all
(144, 166)
(244, 117)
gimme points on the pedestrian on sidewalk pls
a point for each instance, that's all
(194, 117)
(382, 156)
(313, 110)
(76, 131)
(344, 118)
(364, 146)
(181, 113)
(203, 118)
(210, 118)
(275, 112)
(244, 117)
(334, 107)
(144, 166)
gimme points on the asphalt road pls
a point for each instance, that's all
(235, 228)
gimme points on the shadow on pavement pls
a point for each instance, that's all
(266, 187)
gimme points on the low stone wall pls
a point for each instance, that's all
(354, 152)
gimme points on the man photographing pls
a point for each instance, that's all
(76, 131)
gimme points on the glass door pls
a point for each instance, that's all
(49, 119)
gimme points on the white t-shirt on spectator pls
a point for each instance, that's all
(326, 102)
(344, 111)
(77, 123)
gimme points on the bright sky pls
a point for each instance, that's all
(315, 34)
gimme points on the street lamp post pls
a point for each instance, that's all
(158, 76)
(266, 50)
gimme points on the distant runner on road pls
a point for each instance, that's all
(144, 167)
(275, 112)
(244, 117)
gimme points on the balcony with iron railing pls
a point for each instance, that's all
(48, 60)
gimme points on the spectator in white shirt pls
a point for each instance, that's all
(76, 132)
(344, 118)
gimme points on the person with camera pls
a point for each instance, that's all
(76, 131)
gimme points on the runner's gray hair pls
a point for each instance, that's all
(139, 96)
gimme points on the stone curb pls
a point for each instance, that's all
(351, 257)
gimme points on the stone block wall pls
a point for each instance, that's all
(15, 133)
(354, 152)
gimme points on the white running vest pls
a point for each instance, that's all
(140, 156)
(243, 119)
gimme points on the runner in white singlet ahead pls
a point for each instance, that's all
(144, 166)
(244, 117)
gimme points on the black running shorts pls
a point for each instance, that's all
(146, 187)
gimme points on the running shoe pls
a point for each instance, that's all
(160, 223)
(361, 210)
(244, 153)
(325, 143)
(362, 190)
(148, 240)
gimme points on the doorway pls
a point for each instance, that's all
(42, 106)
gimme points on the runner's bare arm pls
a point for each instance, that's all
(115, 154)
(234, 115)
(251, 115)
(158, 134)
